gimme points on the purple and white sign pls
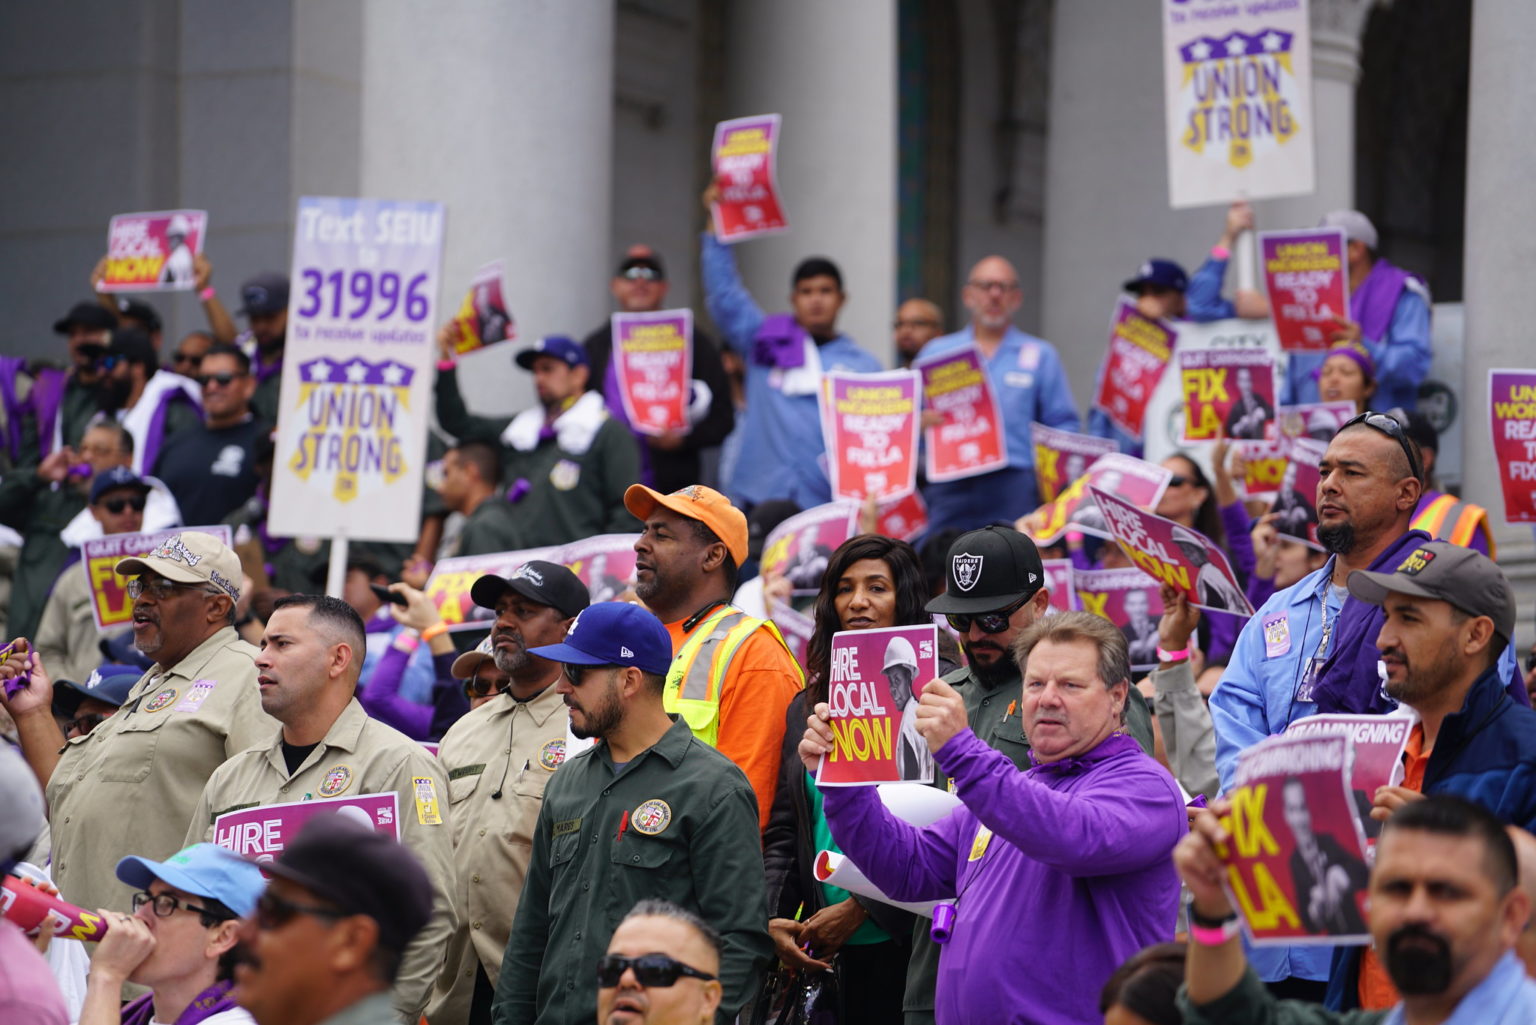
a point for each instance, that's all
(263, 832)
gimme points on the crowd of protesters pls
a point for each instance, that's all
(605, 798)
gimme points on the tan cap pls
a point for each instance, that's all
(696, 502)
(189, 558)
(469, 663)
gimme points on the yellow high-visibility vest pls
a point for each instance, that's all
(700, 666)
(1433, 518)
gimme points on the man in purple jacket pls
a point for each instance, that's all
(1056, 874)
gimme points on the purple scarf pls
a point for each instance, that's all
(10, 368)
(1374, 301)
(156, 433)
(47, 397)
(206, 1004)
(779, 342)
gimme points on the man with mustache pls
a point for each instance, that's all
(1445, 912)
(311, 655)
(648, 812)
(499, 758)
(130, 786)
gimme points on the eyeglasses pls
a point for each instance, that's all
(1393, 429)
(994, 286)
(158, 588)
(640, 274)
(274, 912)
(166, 904)
(477, 687)
(652, 971)
(117, 505)
(222, 380)
(987, 622)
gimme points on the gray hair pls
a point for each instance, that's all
(655, 908)
(1069, 627)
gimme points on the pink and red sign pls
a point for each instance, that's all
(1059, 574)
(448, 586)
(263, 832)
(1061, 457)
(1377, 743)
(795, 626)
(873, 685)
(1139, 348)
(970, 440)
(870, 423)
(1174, 554)
(1128, 599)
(743, 155)
(1512, 415)
(1296, 865)
(1319, 421)
(605, 564)
(902, 518)
(1295, 502)
(1137, 481)
(153, 252)
(1228, 393)
(798, 549)
(1307, 277)
(653, 363)
(483, 318)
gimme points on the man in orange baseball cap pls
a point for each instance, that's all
(732, 676)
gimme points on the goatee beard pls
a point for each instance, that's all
(1339, 540)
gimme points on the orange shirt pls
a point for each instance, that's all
(1376, 990)
(754, 698)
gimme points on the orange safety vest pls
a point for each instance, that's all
(1433, 518)
(701, 665)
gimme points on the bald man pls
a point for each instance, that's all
(1525, 851)
(918, 322)
(1030, 384)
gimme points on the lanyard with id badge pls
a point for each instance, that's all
(1307, 691)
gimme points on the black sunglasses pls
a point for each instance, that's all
(186, 357)
(475, 687)
(987, 622)
(1178, 480)
(117, 505)
(651, 970)
(1392, 428)
(222, 380)
(274, 912)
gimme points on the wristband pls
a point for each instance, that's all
(1215, 936)
(1182, 655)
(445, 365)
(1220, 252)
(207, 294)
(407, 642)
(434, 631)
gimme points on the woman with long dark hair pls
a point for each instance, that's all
(871, 582)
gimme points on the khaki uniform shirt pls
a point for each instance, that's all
(359, 755)
(513, 748)
(677, 822)
(66, 636)
(129, 787)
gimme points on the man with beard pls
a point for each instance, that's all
(498, 759)
(1450, 612)
(1030, 384)
(1445, 912)
(131, 785)
(264, 301)
(733, 676)
(327, 746)
(151, 403)
(649, 812)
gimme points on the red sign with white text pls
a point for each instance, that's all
(870, 422)
(1307, 278)
(1512, 412)
(970, 441)
(1139, 348)
(653, 363)
(743, 157)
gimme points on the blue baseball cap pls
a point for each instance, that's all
(203, 870)
(109, 683)
(1159, 273)
(558, 346)
(117, 477)
(614, 633)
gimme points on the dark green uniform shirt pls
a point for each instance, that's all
(678, 823)
(490, 528)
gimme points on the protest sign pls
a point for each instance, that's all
(1059, 577)
(1263, 466)
(483, 318)
(743, 156)
(153, 252)
(263, 832)
(1512, 417)
(1377, 743)
(902, 518)
(796, 626)
(1137, 481)
(970, 441)
(448, 586)
(1174, 554)
(1296, 865)
(870, 423)
(357, 369)
(798, 548)
(1138, 353)
(1061, 457)
(653, 365)
(1228, 392)
(605, 564)
(1319, 421)
(1164, 433)
(110, 604)
(1295, 504)
(1128, 599)
(873, 686)
(1238, 99)
(1307, 277)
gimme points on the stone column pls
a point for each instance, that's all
(503, 111)
(1500, 252)
(830, 69)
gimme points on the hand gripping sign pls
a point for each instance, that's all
(1307, 277)
(874, 683)
(483, 318)
(1174, 554)
(970, 440)
(743, 155)
(653, 365)
(1376, 744)
(1139, 482)
(154, 252)
(870, 422)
